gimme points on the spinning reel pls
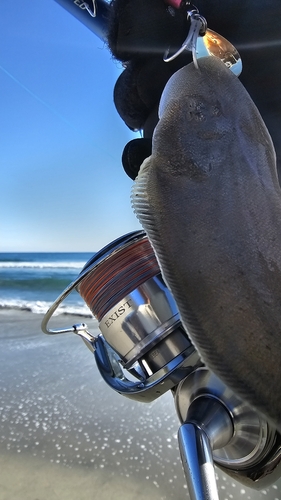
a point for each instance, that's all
(143, 351)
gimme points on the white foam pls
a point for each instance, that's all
(42, 265)
(41, 307)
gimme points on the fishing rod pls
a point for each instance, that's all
(94, 14)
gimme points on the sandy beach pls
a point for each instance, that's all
(65, 434)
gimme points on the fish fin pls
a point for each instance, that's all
(144, 209)
(139, 196)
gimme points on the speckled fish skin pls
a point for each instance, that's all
(209, 200)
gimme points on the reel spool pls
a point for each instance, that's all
(141, 332)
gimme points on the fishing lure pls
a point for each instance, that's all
(202, 41)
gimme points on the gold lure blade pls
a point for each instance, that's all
(213, 44)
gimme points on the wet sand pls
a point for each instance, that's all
(65, 435)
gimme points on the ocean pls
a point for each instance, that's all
(32, 281)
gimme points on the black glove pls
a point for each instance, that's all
(141, 31)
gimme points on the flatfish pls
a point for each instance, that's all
(209, 200)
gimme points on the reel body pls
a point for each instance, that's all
(143, 351)
(141, 334)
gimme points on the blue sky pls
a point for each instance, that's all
(63, 187)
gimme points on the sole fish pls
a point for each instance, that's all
(209, 199)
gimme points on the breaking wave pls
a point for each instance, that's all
(41, 307)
